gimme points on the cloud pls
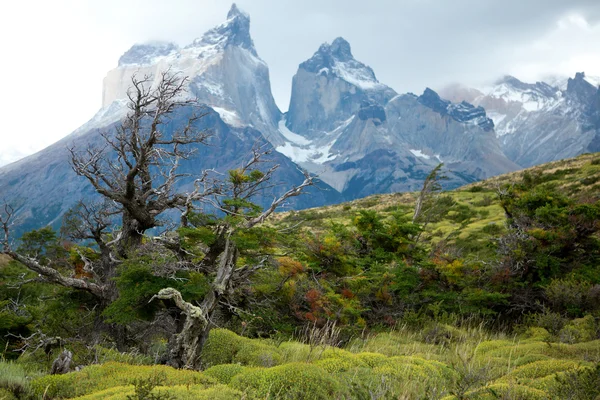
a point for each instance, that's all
(55, 54)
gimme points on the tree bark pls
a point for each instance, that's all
(185, 348)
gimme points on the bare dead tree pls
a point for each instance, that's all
(141, 179)
(6, 221)
(135, 172)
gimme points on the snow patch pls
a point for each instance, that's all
(229, 117)
(419, 153)
(357, 75)
(301, 150)
(114, 112)
(594, 80)
(291, 136)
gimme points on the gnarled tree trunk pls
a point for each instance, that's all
(185, 348)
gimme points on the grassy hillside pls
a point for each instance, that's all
(440, 363)
(356, 302)
(476, 205)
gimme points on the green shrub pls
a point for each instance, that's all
(290, 381)
(252, 352)
(537, 333)
(97, 377)
(579, 330)
(220, 347)
(177, 392)
(224, 372)
(476, 189)
(581, 384)
(6, 394)
(492, 228)
(506, 391)
(539, 369)
(371, 359)
(568, 295)
(442, 334)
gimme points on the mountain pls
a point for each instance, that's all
(361, 137)
(225, 73)
(540, 122)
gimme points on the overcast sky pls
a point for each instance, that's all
(56, 53)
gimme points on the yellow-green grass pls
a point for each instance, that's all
(395, 364)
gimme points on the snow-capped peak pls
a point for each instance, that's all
(235, 11)
(337, 59)
(530, 96)
(235, 31)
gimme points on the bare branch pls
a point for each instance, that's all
(52, 275)
(295, 191)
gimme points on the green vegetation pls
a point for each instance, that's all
(492, 292)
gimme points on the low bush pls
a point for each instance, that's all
(224, 372)
(97, 377)
(295, 381)
(579, 330)
(581, 384)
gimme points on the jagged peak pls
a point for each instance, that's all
(235, 11)
(462, 112)
(337, 59)
(235, 31)
(339, 49)
(580, 89)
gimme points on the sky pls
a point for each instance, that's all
(56, 53)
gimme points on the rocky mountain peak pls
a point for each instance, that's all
(235, 11)
(337, 59)
(235, 31)
(580, 89)
(538, 88)
(462, 112)
(340, 49)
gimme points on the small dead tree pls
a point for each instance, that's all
(431, 186)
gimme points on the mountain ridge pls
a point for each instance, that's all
(358, 134)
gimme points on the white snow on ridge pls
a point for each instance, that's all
(229, 117)
(594, 80)
(360, 77)
(114, 112)
(291, 136)
(419, 153)
(301, 150)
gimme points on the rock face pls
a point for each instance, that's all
(331, 87)
(363, 138)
